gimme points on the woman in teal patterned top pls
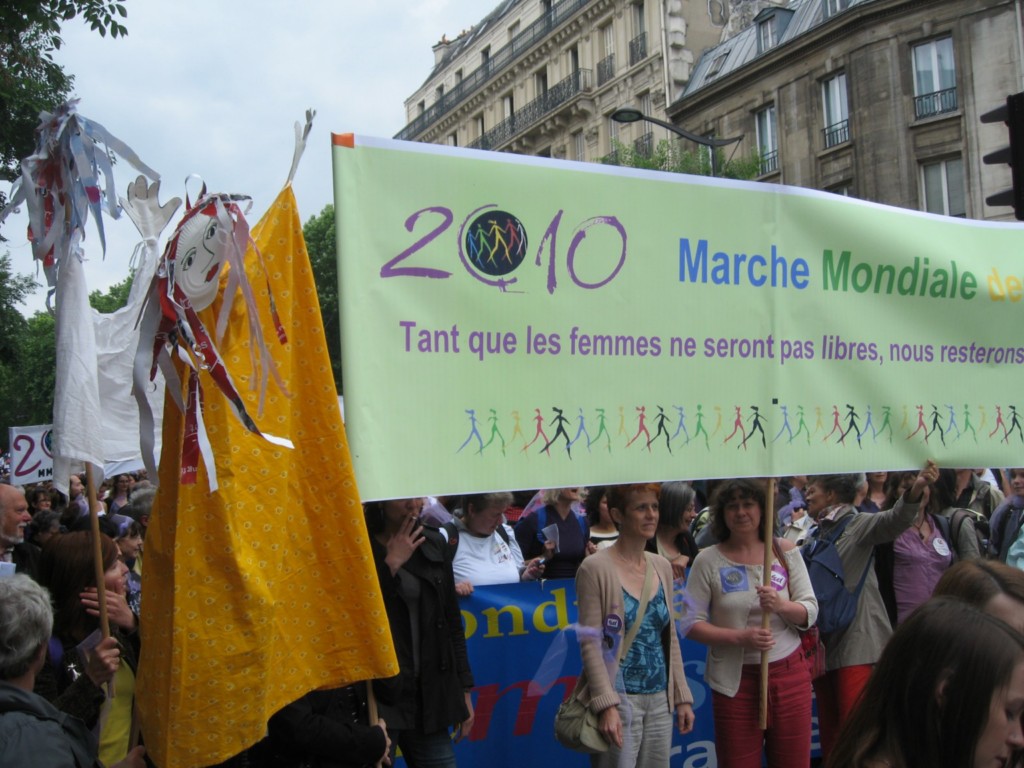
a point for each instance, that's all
(638, 698)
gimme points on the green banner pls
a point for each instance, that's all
(517, 322)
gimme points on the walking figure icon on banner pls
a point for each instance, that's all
(560, 421)
(681, 424)
(538, 420)
(851, 425)
(951, 425)
(968, 427)
(999, 422)
(936, 425)
(785, 426)
(602, 429)
(755, 426)
(836, 427)
(920, 424)
(700, 428)
(495, 432)
(737, 426)
(801, 425)
(641, 428)
(473, 432)
(886, 422)
(660, 420)
(1014, 425)
(581, 431)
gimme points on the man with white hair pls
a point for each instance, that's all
(33, 731)
(14, 516)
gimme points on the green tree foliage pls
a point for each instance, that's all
(30, 80)
(323, 257)
(17, 389)
(671, 156)
(115, 297)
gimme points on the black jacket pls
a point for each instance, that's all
(326, 729)
(438, 701)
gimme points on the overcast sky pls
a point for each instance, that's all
(214, 88)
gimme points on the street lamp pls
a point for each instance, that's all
(631, 115)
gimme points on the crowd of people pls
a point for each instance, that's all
(928, 670)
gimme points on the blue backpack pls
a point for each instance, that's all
(837, 606)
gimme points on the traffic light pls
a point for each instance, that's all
(1012, 113)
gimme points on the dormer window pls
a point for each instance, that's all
(717, 63)
(771, 26)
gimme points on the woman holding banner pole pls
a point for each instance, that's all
(634, 678)
(725, 585)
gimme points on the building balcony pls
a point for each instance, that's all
(644, 145)
(638, 49)
(605, 69)
(498, 61)
(769, 162)
(937, 103)
(837, 133)
(531, 114)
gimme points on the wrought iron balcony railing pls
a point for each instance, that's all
(638, 49)
(837, 133)
(497, 62)
(530, 114)
(937, 103)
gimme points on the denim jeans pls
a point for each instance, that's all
(646, 733)
(424, 750)
(787, 740)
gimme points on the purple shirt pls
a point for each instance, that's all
(917, 567)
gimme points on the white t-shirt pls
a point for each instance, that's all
(488, 560)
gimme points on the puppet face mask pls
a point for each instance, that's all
(202, 247)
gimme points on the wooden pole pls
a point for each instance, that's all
(94, 517)
(371, 706)
(766, 580)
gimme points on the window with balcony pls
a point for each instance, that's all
(638, 45)
(453, 139)
(767, 140)
(934, 78)
(836, 111)
(478, 123)
(606, 66)
(574, 59)
(943, 187)
(540, 82)
(508, 106)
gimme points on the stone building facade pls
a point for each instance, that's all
(879, 99)
(542, 78)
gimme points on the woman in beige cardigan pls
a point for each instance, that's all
(635, 693)
(726, 582)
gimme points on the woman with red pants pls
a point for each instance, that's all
(726, 585)
(851, 653)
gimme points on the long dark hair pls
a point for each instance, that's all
(592, 504)
(66, 568)
(928, 699)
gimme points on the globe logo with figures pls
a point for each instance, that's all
(496, 243)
